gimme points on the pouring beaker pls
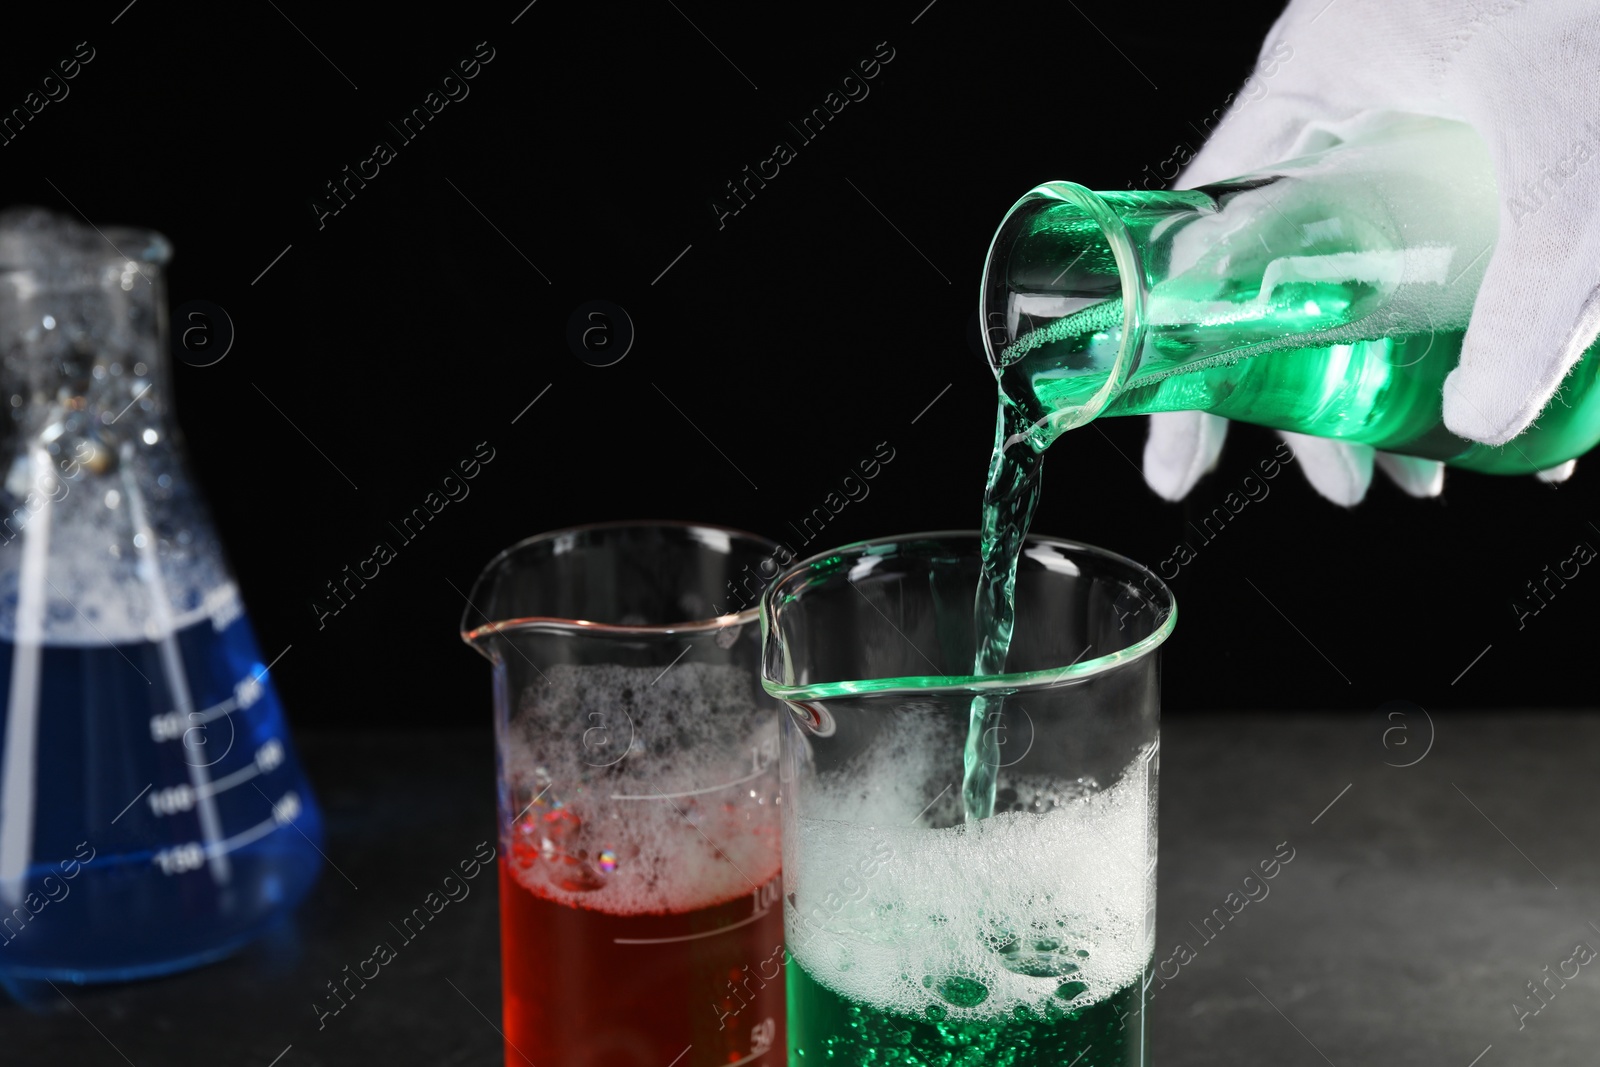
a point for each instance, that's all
(152, 814)
(1327, 294)
(1023, 938)
(638, 795)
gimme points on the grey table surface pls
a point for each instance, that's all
(1419, 904)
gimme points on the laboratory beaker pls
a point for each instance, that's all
(1328, 294)
(638, 791)
(1021, 938)
(152, 813)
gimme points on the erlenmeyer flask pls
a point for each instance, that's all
(152, 814)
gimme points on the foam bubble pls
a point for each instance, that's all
(645, 792)
(912, 756)
(1021, 912)
(99, 591)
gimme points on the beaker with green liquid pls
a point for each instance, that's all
(915, 934)
(1327, 295)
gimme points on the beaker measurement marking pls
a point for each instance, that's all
(255, 833)
(216, 711)
(691, 792)
(689, 937)
(181, 798)
(763, 898)
(283, 812)
(170, 725)
(190, 856)
(228, 781)
(180, 859)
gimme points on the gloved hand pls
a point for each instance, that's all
(1526, 75)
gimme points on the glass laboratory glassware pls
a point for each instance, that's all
(152, 813)
(1023, 938)
(638, 793)
(1327, 295)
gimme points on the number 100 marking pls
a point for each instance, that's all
(767, 895)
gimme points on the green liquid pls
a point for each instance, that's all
(1009, 497)
(1242, 360)
(826, 1028)
(1249, 363)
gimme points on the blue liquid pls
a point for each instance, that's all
(170, 884)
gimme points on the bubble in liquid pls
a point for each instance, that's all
(575, 875)
(1069, 990)
(550, 835)
(607, 860)
(1035, 953)
(957, 990)
(525, 841)
(558, 827)
(1042, 958)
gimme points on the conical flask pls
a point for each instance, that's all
(152, 813)
(1328, 294)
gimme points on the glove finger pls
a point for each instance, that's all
(1538, 308)
(1182, 446)
(1338, 470)
(1559, 473)
(1535, 315)
(1416, 476)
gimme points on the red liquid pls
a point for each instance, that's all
(574, 997)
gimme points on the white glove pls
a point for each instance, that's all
(1526, 75)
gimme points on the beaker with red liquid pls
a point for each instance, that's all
(640, 886)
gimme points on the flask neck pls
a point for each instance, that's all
(1376, 239)
(82, 332)
(100, 525)
(1063, 299)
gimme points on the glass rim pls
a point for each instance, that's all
(1130, 275)
(127, 247)
(554, 624)
(1046, 678)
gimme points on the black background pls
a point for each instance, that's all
(821, 320)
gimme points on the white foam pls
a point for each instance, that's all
(98, 600)
(673, 774)
(913, 758)
(888, 913)
(98, 590)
